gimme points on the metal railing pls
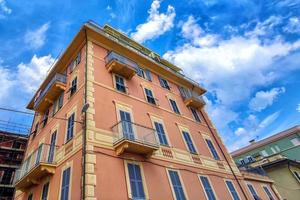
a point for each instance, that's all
(253, 170)
(187, 93)
(57, 78)
(125, 130)
(45, 153)
(114, 56)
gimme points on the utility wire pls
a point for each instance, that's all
(28, 113)
(16, 111)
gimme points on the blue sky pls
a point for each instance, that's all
(246, 53)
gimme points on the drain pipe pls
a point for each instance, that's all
(85, 119)
(235, 177)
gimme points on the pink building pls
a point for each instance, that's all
(114, 120)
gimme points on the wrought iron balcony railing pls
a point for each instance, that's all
(253, 170)
(40, 163)
(191, 98)
(134, 138)
(58, 80)
(120, 65)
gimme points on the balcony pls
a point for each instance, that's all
(134, 138)
(118, 64)
(39, 164)
(191, 98)
(50, 93)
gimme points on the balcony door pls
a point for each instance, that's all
(38, 156)
(126, 125)
(52, 147)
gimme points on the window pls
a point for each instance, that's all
(45, 191)
(232, 190)
(144, 73)
(70, 128)
(148, 75)
(120, 84)
(267, 191)
(136, 182)
(73, 86)
(52, 147)
(45, 118)
(30, 197)
(163, 83)
(65, 185)
(273, 150)
(174, 106)
(35, 129)
(277, 148)
(6, 178)
(250, 159)
(16, 145)
(242, 161)
(58, 103)
(75, 62)
(207, 187)
(140, 72)
(195, 114)
(39, 153)
(161, 133)
(253, 192)
(297, 175)
(212, 149)
(126, 125)
(295, 141)
(149, 96)
(264, 153)
(189, 142)
(176, 185)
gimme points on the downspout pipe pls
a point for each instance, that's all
(227, 161)
(85, 119)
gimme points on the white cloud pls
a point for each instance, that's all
(298, 107)
(6, 82)
(265, 27)
(228, 67)
(24, 80)
(192, 31)
(247, 134)
(232, 69)
(36, 38)
(112, 15)
(156, 23)
(293, 25)
(268, 120)
(31, 74)
(108, 7)
(264, 99)
(240, 131)
(4, 9)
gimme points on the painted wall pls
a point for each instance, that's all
(72, 156)
(285, 145)
(106, 176)
(286, 183)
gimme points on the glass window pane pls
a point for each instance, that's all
(176, 184)
(207, 187)
(136, 183)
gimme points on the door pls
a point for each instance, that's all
(126, 125)
(38, 156)
(52, 148)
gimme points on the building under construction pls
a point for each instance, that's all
(12, 148)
